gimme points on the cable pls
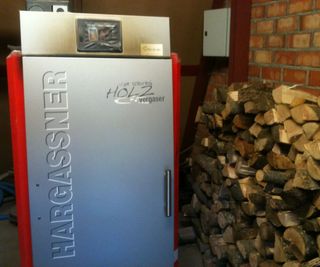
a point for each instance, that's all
(5, 189)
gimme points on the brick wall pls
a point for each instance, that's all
(285, 42)
(218, 78)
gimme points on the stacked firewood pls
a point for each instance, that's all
(256, 177)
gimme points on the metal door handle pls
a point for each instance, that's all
(168, 192)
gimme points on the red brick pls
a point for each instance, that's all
(314, 78)
(297, 6)
(294, 76)
(256, 41)
(271, 73)
(276, 9)
(263, 56)
(219, 78)
(275, 41)
(318, 4)
(254, 71)
(285, 57)
(257, 12)
(311, 59)
(265, 26)
(316, 39)
(310, 22)
(250, 56)
(299, 40)
(253, 27)
(287, 24)
(260, 1)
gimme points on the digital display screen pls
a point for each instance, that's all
(99, 35)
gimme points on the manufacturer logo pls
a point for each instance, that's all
(151, 49)
(58, 159)
(141, 92)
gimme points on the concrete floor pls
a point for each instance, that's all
(9, 251)
(189, 255)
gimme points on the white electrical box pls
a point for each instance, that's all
(216, 32)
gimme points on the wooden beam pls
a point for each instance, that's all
(3, 71)
(239, 41)
(190, 70)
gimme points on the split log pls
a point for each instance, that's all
(297, 101)
(206, 188)
(275, 177)
(225, 218)
(310, 128)
(259, 93)
(257, 161)
(258, 199)
(219, 205)
(313, 148)
(218, 121)
(301, 161)
(292, 264)
(229, 171)
(201, 196)
(312, 225)
(243, 169)
(269, 263)
(242, 233)
(245, 135)
(229, 235)
(279, 134)
(245, 247)
(279, 162)
(271, 117)
(283, 112)
(251, 107)
(263, 144)
(292, 129)
(255, 129)
(305, 112)
(277, 203)
(248, 208)
(304, 181)
(313, 168)
(234, 256)
(285, 95)
(272, 216)
(259, 118)
(281, 249)
(316, 200)
(288, 218)
(197, 227)
(302, 245)
(292, 153)
(265, 249)
(195, 203)
(208, 219)
(316, 136)
(312, 263)
(300, 142)
(218, 246)
(255, 258)
(244, 148)
(295, 196)
(266, 231)
(232, 105)
(212, 107)
(242, 121)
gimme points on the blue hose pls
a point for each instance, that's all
(8, 188)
